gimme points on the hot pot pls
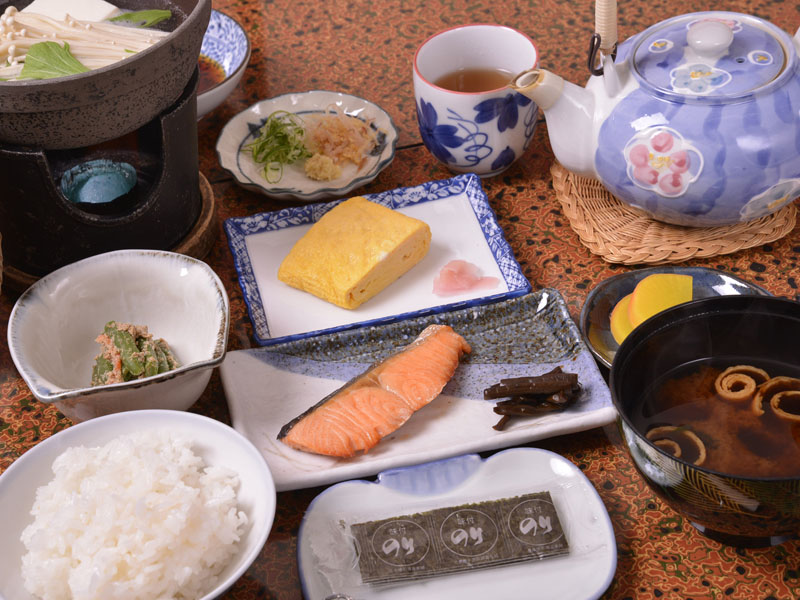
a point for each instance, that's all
(102, 104)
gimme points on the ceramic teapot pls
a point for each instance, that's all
(695, 120)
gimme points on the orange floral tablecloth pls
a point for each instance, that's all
(366, 48)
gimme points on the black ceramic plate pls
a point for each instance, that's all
(594, 321)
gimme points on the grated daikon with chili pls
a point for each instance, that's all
(340, 137)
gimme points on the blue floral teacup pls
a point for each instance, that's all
(468, 118)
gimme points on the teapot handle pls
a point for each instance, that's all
(604, 40)
(605, 24)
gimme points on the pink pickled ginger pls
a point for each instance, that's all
(459, 276)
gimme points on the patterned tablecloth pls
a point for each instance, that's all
(366, 49)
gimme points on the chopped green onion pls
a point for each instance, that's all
(280, 142)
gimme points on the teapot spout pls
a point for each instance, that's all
(569, 112)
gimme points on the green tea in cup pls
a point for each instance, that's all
(479, 79)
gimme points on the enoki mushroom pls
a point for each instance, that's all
(93, 44)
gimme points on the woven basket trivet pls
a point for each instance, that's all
(622, 234)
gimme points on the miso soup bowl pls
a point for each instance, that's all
(53, 326)
(741, 511)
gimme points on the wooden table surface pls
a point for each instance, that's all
(366, 48)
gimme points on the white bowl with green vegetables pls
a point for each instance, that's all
(55, 324)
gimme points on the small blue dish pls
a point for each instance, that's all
(225, 43)
(595, 315)
(461, 220)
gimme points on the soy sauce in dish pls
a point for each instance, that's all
(211, 73)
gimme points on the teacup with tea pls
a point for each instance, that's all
(468, 117)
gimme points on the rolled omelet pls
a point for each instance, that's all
(354, 251)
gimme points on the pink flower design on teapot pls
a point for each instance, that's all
(659, 159)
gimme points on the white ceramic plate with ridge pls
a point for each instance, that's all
(294, 183)
(215, 442)
(463, 226)
(527, 335)
(583, 573)
(596, 313)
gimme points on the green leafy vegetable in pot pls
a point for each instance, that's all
(46, 60)
(143, 18)
(34, 46)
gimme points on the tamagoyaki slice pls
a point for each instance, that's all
(354, 251)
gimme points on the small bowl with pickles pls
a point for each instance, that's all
(603, 300)
(124, 330)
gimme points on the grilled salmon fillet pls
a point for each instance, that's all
(372, 405)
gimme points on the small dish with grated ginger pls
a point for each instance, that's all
(346, 142)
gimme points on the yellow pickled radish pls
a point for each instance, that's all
(620, 322)
(658, 292)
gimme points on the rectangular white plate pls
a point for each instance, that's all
(528, 335)
(463, 226)
(327, 558)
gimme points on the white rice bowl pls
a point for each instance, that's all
(141, 517)
(143, 505)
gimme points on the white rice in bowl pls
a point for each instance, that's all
(140, 518)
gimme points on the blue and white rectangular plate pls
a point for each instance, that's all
(527, 335)
(463, 226)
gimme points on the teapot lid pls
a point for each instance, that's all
(711, 56)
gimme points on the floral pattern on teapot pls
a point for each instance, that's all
(660, 46)
(740, 157)
(772, 199)
(659, 159)
(696, 121)
(698, 78)
(760, 57)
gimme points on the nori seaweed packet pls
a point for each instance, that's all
(398, 544)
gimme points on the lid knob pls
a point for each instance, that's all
(709, 39)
